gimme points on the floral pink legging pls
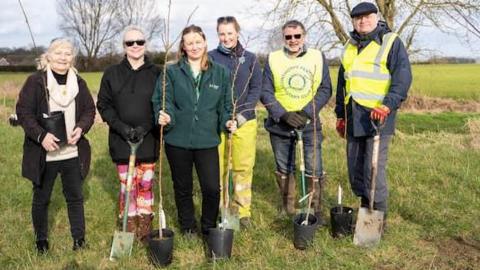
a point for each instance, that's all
(141, 195)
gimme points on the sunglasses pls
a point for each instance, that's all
(226, 19)
(296, 36)
(131, 42)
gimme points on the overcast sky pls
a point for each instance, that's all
(45, 24)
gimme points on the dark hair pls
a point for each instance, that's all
(294, 24)
(227, 20)
(181, 53)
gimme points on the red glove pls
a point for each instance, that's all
(380, 113)
(341, 127)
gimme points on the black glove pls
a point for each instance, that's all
(124, 130)
(294, 119)
(136, 134)
(304, 117)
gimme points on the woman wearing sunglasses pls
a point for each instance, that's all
(124, 102)
(244, 67)
(197, 108)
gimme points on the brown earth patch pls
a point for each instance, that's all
(430, 104)
(457, 253)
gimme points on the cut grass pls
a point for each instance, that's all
(434, 198)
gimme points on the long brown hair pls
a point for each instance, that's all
(181, 52)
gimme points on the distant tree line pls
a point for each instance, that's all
(23, 59)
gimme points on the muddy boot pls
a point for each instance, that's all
(291, 195)
(319, 184)
(281, 182)
(144, 227)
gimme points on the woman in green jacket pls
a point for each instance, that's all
(197, 108)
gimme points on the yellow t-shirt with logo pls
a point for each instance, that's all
(296, 80)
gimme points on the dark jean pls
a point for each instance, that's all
(206, 162)
(284, 153)
(359, 158)
(72, 190)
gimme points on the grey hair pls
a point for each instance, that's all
(43, 61)
(132, 28)
(294, 24)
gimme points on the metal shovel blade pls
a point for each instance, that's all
(232, 222)
(122, 245)
(369, 227)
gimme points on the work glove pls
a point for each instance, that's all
(136, 134)
(294, 119)
(380, 113)
(341, 127)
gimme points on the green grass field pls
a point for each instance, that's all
(446, 81)
(433, 220)
(433, 172)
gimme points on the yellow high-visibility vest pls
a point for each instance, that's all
(296, 80)
(366, 74)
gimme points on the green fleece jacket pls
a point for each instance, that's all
(195, 123)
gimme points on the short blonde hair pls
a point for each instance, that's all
(43, 61)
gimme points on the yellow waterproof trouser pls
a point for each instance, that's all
(243, 159)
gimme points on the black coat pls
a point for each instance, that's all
(30, 107)
(124, 101)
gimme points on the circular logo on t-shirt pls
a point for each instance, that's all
(297, 81)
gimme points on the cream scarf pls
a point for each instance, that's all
(62, 98)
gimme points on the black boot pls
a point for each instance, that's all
(42, 246)
(78, 244)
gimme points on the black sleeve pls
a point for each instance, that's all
(27, 106)
(340, 95)
(401, 75)
(106, 108)
(323, 94)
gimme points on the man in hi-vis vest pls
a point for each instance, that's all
(296, 85)
(373, 81)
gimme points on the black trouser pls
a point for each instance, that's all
(72, 190)
(359, 157)
(181, 162)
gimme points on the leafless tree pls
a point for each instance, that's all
(90, 22)
(328, 22)
(96, 24)
(144, 13)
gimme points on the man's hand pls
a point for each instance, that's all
(294, 119)
(341, 127)
(380, 113)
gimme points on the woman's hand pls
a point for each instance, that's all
(163, 118)
(231, 125)
(75, 136)
(49, 143)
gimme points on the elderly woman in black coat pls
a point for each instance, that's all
(56, 87)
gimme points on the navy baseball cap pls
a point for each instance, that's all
(363, 8)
